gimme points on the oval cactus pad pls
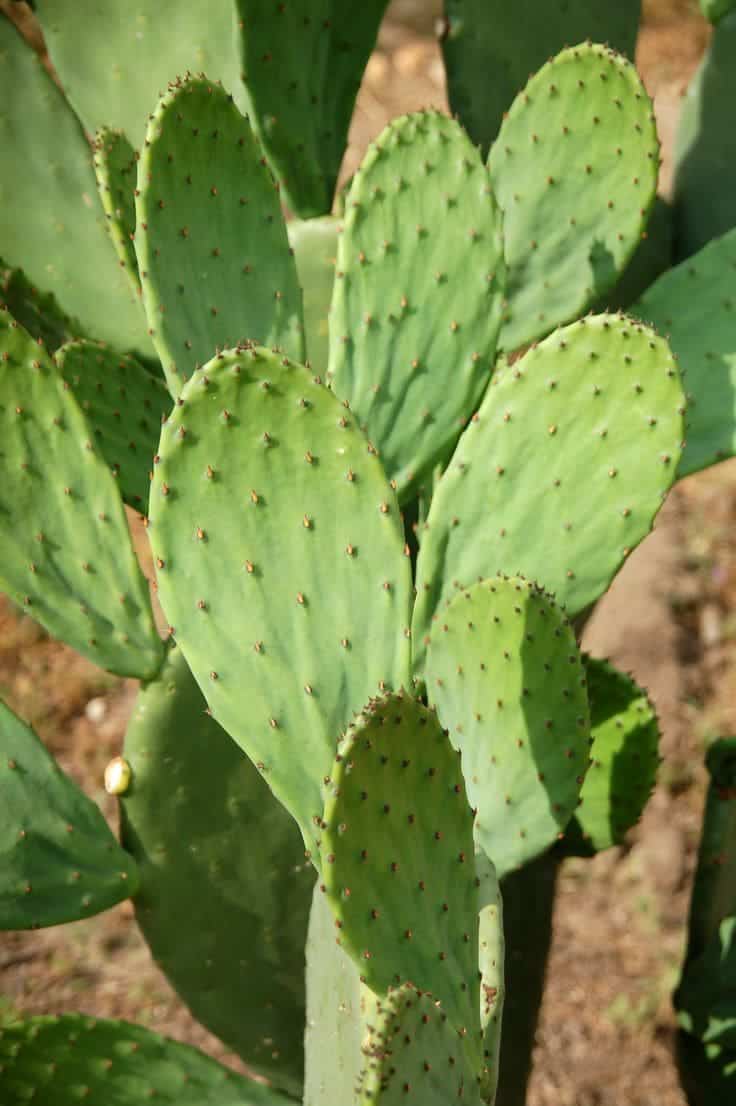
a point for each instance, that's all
(398, 859)
(418, 292)
(281, 564)
(574, 169)
(506, 677)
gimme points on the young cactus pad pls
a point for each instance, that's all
(561, 472)
(506, 677)
(574, 169)
(217, 853)
(58, 859)
(397, 858)
(213, 254)
(281, 564)
(421, 241)
(66, 551)
(116, 170)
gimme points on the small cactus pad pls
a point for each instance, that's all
(490, 47)
(398, 859)
(333, 1034)
(492, 950)
(218, 854)
(314, 242)
(414, 1053)
(66, 555)
(694, 305)
(212, 249)
(705, 147)
(125, 406)
(58, 859)
(574, 169)
(561, 472)
(51, 222)
(506, 677)
(281, 564)
(418, 296)
(116, 170)
(131, 52)
(624, 760)
(302, 64)
(35, 310)
(62, 1061)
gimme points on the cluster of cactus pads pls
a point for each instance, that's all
(370, 538)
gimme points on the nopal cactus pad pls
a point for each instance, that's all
(695, 306)
(72, 1058)
(414, 1053)
(35, 310)
(51, 222)
(421, 239)
(302, 64)
(397, 858)
(574, 169)
(314, 242)
(624, 760)
(116, 170)
(217, 853)
(506, 677)
(562, 471)
(281, 564)
(212, 249)
(66, 558)
(58, 859)
(490, 47)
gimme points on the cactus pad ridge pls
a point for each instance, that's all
(67, 1059)
(624, 760)
(398, 858)
(218, 853)
(213, 255)
(51, 222)
(693, 306)
(125, 406)
(302, 63)
(418, 297)
(561, 472)
(59, 861)
(116, 171)
(67, 557)
(281, 564)
(505, 675)
(36, 311)
(413, 1053)
(493, 37)
(574, 169)
(314, 242)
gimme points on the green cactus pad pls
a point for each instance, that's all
(333, 1035)
(506, 677)
(623, 768)
(705, 999)
(695, 306)
(116, 170)
(398, 860)
(414, 1053)
(561, 472)
(217, 853)
(131, 52)
(51, 223)
(66, 557)
(492, 950)
(314, 242)
(490, 48)
(212, 249)
(58, 860)
(418, 296)
(705, 147)
(303, 63)
(36, 311)
(125, 405)
(281, 564)
(574, 169)
(65, 1060)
